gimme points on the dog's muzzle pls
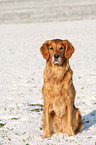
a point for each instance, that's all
(56, 59)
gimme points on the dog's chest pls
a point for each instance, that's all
(59, 106)
(56, 74)
(56, 89)
(58, 99)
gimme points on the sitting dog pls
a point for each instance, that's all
(60, 114)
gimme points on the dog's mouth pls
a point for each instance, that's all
(57, 61)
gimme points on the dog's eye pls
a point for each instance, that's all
(51, 48)
(61, 48)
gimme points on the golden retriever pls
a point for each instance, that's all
(60, 113)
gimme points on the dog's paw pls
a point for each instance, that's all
(46, 134)
(71, 132)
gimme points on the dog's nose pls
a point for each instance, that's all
(56, 56)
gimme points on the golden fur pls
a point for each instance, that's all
(60, 114)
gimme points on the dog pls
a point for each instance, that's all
(60, 113)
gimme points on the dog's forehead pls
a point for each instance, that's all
(56, 42)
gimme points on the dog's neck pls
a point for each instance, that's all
(57, 72)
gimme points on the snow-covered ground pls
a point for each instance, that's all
(21, 79)
(22, 66)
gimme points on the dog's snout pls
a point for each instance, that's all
(56, 56)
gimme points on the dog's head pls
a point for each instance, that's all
(57, 51)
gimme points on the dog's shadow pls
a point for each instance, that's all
(89, 120)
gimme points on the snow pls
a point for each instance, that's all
(21, 80)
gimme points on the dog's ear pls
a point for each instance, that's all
(69, 49)
(45, 50)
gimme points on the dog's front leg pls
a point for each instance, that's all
(70, 120)
(47, 127)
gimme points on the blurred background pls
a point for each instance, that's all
(29, 11)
